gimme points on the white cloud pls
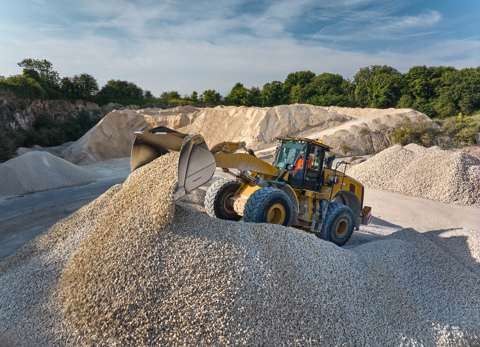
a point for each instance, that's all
(175, 46)
(407, 23)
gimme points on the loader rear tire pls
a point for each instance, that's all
(217, 200)
(269, 205)
(338, 224)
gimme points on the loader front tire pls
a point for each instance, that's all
(217, 200)
(338, 224)
(269, 205)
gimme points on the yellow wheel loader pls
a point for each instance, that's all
(300, 189)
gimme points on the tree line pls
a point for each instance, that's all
(436, 91)
(449, 95)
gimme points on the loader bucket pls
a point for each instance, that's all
(151, 144)
(196, 166)
(196, 163)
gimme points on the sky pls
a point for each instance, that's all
(195, 45)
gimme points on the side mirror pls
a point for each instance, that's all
(329, 161)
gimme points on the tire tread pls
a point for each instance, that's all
(210, 196)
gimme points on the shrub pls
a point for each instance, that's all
(421, 132)
(462, 128)
(24, 87)
(345, 148)
(9, 142)
(364, 131)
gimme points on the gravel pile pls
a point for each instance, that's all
(134, 269)
(472, 150)
(37, 170)
(30, 308)
(431, 173)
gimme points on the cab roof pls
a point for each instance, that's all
(318, 143)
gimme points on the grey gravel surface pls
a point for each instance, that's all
(133, 268)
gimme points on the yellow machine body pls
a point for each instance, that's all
(300, 170)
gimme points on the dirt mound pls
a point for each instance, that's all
(36, 171)
(113, 136)
(431, 173)
(259, 127)
(131, 269)
(362, 129)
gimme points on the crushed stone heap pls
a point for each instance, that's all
(432, 173)
(258, 127)
(37, 170)
(134, 269)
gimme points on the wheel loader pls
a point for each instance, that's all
(301, 189)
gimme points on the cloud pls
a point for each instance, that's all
(373, 26)
(190, 45)
(409, 23)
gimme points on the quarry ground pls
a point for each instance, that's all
(24, 217)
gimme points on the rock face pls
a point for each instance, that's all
(20, 114)
(360, 131)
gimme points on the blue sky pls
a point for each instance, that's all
(188, 45)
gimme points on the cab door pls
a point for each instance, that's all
(313, 168)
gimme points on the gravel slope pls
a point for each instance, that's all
(38, 170)
(131, 268)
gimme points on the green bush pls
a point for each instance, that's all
(345, 148)
(46, 132)
(9, 142)
(421, 132)
(462, 128)
(24, 87)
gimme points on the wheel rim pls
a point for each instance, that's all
(276, 214)
(228, 203)
(341, 228)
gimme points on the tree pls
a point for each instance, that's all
(25, 87)
(210, 96)
(273, 94)
(67, 87)
(86, 85)
(44, 69)
(378, 86)
(238, 95)
(120, 91)
(348, 89)
(254, 97)
(421, 86)
(300, 79)
(325, 90)
(194, 96)
(168, 97)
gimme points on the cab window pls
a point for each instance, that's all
(314, 168)
(288, 153)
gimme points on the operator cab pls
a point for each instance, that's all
(303, 159)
